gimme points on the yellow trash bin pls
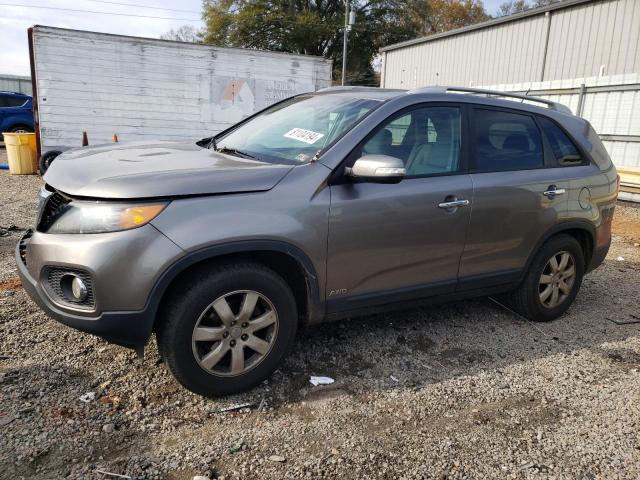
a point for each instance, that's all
(21, 153)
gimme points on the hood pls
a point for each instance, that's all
(158, 169)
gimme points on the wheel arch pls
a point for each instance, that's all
(287, 260)
(17, 124)
(584, 232)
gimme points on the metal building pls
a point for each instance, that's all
(15, 83)
(583, 53)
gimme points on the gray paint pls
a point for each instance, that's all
(363, 240)
(158, 169)
(124, 265)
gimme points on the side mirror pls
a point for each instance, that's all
(377, 169)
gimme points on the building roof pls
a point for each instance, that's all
(490, 23)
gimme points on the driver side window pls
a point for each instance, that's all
(426, 139)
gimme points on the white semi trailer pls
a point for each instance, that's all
(142, 88)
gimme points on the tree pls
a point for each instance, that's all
(437, 16)
(186, 33)
(517, 6)
(314, 27)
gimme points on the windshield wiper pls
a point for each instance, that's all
(236, 152)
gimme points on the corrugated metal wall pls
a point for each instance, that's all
(153, 89)
(582, 39)
(15, 83)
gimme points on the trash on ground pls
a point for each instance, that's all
(111, 399)
(620, 259)
(111, 474)
(277, 458)
(315, 381)
(263, 405)
(88, 397)
(631, 319)
(236, 446)
(234, 408)
(394, 379)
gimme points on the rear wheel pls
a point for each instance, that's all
(552, 282)
(21, 129)
(228, 329)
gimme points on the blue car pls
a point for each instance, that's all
(16, 113)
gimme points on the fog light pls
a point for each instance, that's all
(78, 289)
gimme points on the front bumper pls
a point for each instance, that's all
(124, 266)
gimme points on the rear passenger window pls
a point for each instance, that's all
(506, 141)
(564, 150)
(12, 101)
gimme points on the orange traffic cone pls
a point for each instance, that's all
(115, 138)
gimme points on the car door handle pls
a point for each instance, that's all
(453, 204)
(552, 191)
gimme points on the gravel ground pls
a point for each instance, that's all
(466, 390)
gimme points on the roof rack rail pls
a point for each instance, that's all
(494, 93)
(347, 88)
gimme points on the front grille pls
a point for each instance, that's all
(22, 246)
(53, 206)
(55, 288)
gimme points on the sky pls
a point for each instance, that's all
(14, 21)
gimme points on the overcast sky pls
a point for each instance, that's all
(14, 21)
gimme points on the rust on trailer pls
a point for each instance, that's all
(34, 94)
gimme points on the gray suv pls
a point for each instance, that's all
(320, 207)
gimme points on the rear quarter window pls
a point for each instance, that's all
(564, 150)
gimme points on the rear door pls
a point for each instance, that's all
(518, 195)
(397, 242)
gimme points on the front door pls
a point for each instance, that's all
(398, 242)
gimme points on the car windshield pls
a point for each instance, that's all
(295, 130)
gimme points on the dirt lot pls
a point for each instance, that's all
(466, 390)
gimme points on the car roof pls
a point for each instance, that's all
(17, 94)
(355, 91)
(458, 94)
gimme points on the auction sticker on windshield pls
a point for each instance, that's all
(302, 135)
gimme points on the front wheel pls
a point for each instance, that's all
(552, 282)
(227, 329)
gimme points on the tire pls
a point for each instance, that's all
(21, 129)
(527, 299)
(191, 306)
(46, 159)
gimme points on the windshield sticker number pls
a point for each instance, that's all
(302, 135)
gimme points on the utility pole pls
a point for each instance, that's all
(349, 21)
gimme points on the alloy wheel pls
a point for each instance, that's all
(557, 279)
(235, 333)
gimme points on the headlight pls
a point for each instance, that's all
(100, 217)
